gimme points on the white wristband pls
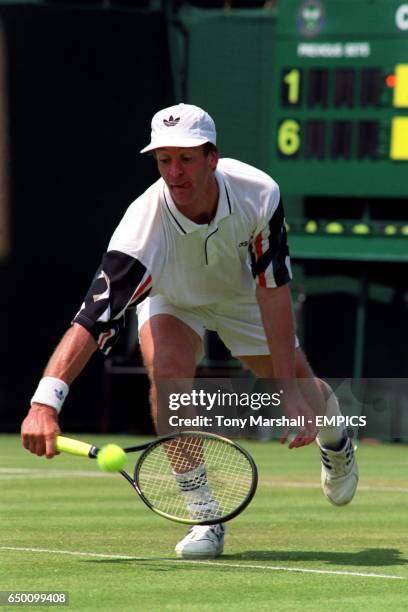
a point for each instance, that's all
(51, 391)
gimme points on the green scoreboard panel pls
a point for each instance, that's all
(340, 107)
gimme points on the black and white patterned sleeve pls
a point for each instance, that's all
(270, 253)
(121, 281)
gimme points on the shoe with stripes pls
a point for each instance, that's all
(202, 542)
(339, 476)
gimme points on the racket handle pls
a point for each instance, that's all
(76, 447)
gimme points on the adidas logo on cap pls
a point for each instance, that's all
(170, 121)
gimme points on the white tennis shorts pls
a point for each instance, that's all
(237, 321)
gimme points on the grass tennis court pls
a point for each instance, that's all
(67, 526)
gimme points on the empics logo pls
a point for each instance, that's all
(338, 421)
(171, 121)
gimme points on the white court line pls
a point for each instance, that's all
(11, 473)
(312, 485)
(19, 473)
(274, 568)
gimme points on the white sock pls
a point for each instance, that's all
(331, 435)
(197, 494)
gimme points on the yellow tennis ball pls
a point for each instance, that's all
(361, 228)
(311, 227)
(390, 230)
(334, 228)
(111, 458)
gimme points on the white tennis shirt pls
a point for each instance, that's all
(157, 250)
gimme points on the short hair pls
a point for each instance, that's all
(209, 147)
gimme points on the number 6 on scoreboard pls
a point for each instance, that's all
(289, 137)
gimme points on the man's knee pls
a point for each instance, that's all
(169, 348)
(171, 365)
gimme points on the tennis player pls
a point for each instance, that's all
(204, 247)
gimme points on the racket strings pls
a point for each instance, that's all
(195, 478)
(185, 453)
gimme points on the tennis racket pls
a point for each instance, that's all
(190, 477)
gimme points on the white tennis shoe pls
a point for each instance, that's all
(339, 474)
(202, 542)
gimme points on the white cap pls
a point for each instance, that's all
(183, 125)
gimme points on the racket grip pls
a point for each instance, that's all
(76, 447)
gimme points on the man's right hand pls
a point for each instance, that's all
(39, 430)
(295, 407)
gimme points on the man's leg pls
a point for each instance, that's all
(339, 475)
(170, 350)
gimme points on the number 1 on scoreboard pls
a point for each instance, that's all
(291, 84)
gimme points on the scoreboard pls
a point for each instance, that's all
(340, 102)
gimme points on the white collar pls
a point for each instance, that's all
(183, 224)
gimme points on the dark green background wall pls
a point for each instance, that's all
(229, 63)
(83, 85)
